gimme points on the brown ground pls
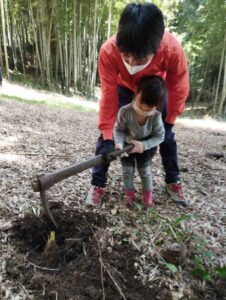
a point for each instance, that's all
(113, 252)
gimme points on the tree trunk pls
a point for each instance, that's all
(1, 62)
(109, 19)
(4, 39)
(196, 102)
(11, 30)
(36, 41)
(219, 75)
(75, 50)
(223, 93)
(21, 53)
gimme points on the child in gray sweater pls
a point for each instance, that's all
(140, 123)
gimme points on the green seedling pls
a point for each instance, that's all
(172, 267)
(139, 206)
(181, 219)
(140, 235)
(200, 260)
(221, 271)
(200, 271)
(174, 229)
(202, 274)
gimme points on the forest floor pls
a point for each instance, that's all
(113, 252)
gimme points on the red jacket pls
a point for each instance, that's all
(169, 62)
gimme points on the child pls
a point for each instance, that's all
(140, 123)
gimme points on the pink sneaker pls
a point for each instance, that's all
(129, 196)
(176, 193)
(95, 195)
(148, 199)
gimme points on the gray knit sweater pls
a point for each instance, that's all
(127, 128)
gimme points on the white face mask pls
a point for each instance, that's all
(135, 69)
(142, 112)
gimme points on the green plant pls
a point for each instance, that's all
(152, 216)
(140, 235)
(176, 231)
(172, 267)
(221, 271)
(139, 206)
(201, 259)
(200, 270)
(181, 219)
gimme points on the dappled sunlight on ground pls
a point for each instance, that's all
(203, 123)
(27, 93)
(8, 157)
(9, 141)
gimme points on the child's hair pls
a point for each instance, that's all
(141, 28)
(153, 90)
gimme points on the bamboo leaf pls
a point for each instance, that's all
(182, 219)
(172, 267)
(139, 206)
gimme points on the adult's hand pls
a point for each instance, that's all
(118, 146)
(168, 125)
(107, 146)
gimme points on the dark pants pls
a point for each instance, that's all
(168, 148)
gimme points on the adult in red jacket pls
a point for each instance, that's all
(141, 47)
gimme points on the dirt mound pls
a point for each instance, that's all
(83, 265)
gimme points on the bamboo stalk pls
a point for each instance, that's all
(223, 94)
(219, 74)
(4, 38)
(36, 40)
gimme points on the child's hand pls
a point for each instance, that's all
(118, 147)
(138, 147)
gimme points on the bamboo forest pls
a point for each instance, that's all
(56, 43)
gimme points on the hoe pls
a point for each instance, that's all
(43, 182)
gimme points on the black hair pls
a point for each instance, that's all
(153, 91)
(140, 30)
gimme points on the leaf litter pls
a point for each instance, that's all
(115, 252)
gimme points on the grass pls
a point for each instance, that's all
(53, 104)
(201, 112)
(35, 83)
(32, 82)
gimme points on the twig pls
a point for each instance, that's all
(112, 278)
(101, 264)
(216, 154)
(135, 245)
(25, 291)
(42, 268)
(157, 231)
(174, 233)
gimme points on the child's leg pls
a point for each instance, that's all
(128, 168)
(145, 171)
